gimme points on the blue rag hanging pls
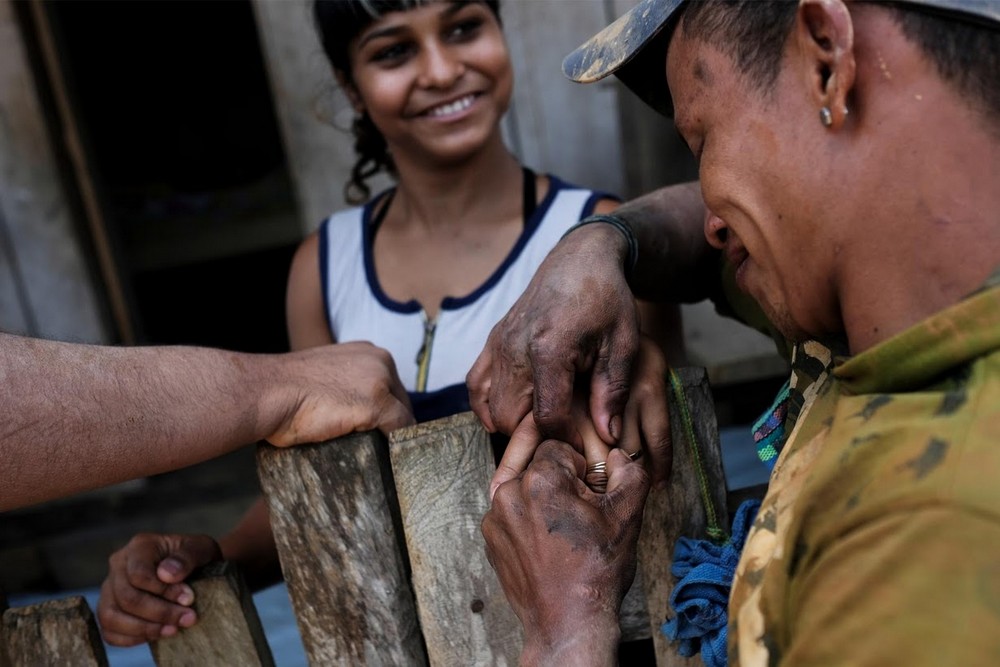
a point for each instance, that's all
(704, 572)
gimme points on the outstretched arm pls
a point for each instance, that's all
(77, 417)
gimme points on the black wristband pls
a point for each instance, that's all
(632, 258)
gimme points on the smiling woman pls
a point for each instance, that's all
(423, 269)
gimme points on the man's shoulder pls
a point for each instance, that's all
(929, 447)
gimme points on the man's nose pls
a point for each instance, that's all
(440, 68)
(715, 231)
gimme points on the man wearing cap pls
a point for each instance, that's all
(849, 158)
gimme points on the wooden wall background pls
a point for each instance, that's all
(47, 286)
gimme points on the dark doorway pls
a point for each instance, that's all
(173, 103)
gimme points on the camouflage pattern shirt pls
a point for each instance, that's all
(878, 542)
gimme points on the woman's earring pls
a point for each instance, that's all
(826, 117)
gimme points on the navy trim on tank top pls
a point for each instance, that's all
(368, 229)
(530, 225)
(451, 302)
(444, 402)
(324, 271)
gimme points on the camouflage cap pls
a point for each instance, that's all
(634, 47)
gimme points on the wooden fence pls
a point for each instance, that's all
(385, 564)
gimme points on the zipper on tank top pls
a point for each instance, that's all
(424, 354)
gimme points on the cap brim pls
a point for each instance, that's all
(634, 48)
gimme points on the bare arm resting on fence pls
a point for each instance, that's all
(77, 417)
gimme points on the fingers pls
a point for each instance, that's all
(628, 486)
(553, 398)
(153, 617)
(520, 450)
(631, 441)
(394, 410)
(595, 451)
(395, 414)
(144, 596)
(609, 383)
(655, 424)
(478, 382)
(185, 553)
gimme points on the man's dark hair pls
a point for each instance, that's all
(753, 33)
(966, 54)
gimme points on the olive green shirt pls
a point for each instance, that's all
(878, 542)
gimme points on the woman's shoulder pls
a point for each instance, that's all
(587, 201)
(358, 212)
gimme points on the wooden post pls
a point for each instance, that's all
(228, 632)
(332, 509)
(679, 510)
(442, 471)
(46, 287)
(58, 633)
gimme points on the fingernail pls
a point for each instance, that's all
(171, 566)
(168, 631)
(614, 426)
(187, 619)
(186, 597)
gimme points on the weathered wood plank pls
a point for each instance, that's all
(313, 113)
(634, 616)
(58, 633)
(48, 289)
(582, 146)
(228, 632)
(442, 471)
(679, 510)
(332, 509)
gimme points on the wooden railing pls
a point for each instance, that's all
(381, 550)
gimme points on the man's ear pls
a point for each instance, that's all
(353, 96)
(825, 34)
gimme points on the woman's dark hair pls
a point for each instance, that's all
(338, 22)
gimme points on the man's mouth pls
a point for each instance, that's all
(737, 255)
(451, 108)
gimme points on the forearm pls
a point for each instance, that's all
(592, 643)
(76, 417)
(675, 261)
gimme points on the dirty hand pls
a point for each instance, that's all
(330, 391)
(144, 597)
(645, 427)
(577, 319)
(565, 555)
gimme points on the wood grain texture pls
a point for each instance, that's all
(332, 509)
(678, 510)
(313, 113)
(442, 471)
(58, 633)
(228, 632)
(634, 616)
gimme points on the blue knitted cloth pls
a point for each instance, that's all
(704, 572)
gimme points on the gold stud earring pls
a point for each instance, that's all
(826, 117)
